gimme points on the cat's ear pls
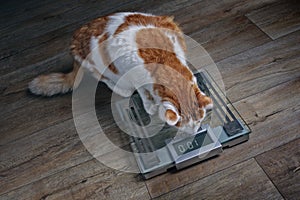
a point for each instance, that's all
(171, 117)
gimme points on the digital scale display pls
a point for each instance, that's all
(192, 143)
(188, 150)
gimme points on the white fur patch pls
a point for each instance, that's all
(177, 48)
(117, 19)
(209, 106)
(96, 56)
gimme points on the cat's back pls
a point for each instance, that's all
(101, 28)
(119, 29)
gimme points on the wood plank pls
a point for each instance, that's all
(52, 150)
(230, 36)
(261, 68)
(33, 115)
(8, 8)
(282, 166)
(39, 155)
(259, 107)
(242, 181)
(42, 48)
(266, 113)
(205, 12)
(89, 180)
(277, 19)
(25, 12)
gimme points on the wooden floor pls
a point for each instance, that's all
(256, 46)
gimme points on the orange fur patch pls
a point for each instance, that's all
(139, 19)
(161, 51)
(164, 22)
(173, 81)
(171, 115)
(202, 99)
(81, 39)
(104, 54)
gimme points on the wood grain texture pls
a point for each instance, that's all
(261, 68)
(266, 113)
(203, 13)
(25, 118)
(42, 154)
(242, 181)
(277, 19)
(89, 180)
(228, 37)
(282, 166)
(58, 148)
(57, 145)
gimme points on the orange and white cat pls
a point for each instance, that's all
(126, 49)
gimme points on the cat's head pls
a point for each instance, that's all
(187, 113)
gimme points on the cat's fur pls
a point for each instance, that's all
(111, 46)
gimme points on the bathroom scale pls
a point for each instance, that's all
(169, 149)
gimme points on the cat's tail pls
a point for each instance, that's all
(54, 83)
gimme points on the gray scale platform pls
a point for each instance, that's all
(156, 154)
